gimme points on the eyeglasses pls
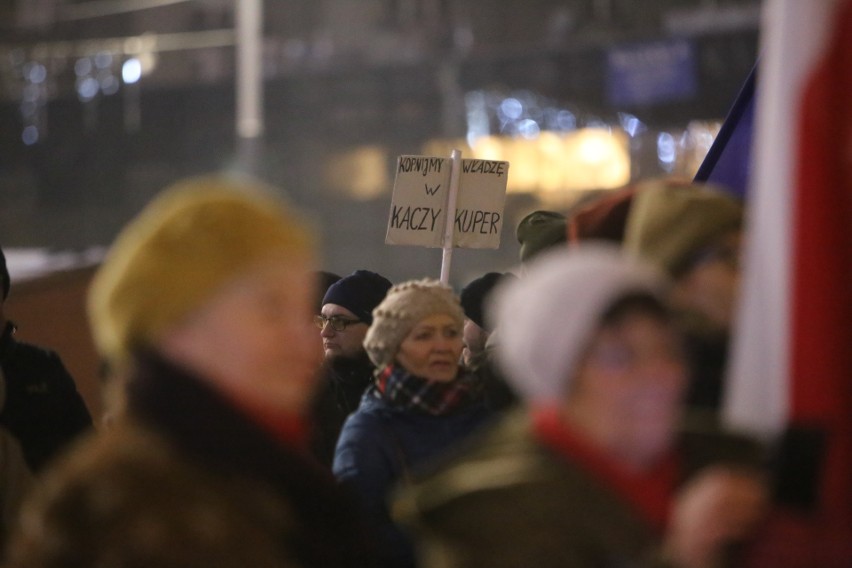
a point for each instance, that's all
(338, 323)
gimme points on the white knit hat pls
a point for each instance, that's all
(545, 320)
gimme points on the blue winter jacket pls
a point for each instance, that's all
(381, 445)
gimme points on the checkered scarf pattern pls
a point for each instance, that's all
(404, 390)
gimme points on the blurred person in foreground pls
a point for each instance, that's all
(130, 501)
(693, 232)
(345, 315)
(594, 469)
(421, 404)
(203, 308)
(43, 409)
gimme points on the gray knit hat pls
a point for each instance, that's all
(404, 306)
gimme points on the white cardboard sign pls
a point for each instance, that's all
(419, 202)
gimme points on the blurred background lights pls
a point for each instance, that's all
(83, 67)
(109, 85)
(103, 60)
(35, 72)
(554, 153)
(565, 120)
(631, 124)
(558, 162)
(595, 146)
(666, 151)
(360, 173)
(489, 148)
(511, 108)
(87, 88)
(30, 93)
(528, 128)
(30, 135)
(131, 70)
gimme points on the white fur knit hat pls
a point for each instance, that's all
(545, 320)
(404, 306)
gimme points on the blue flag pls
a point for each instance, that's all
(728, 163)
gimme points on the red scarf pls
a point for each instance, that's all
(290, 430)
(648, 493)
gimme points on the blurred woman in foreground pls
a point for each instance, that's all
(593, 471)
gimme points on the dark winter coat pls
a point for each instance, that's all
(381, 445)
(706, 350)
(43, 409)
(342, 385)
(511, 502)
(210, 431)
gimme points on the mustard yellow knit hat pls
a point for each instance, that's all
(669, 221)
(183, 247)
(404, 306)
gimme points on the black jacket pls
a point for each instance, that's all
(342, 385)
(211, 432)
(43, 409)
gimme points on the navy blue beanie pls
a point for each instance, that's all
(5, 282)
(474, 294)
(360, 293)
(324, 281)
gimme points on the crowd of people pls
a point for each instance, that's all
(563, 413)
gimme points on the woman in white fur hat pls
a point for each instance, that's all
(420, 404)
(593, 471)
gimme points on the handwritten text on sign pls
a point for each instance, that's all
(418, 207)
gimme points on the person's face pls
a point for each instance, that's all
(712, 286)
(348, 343)
(254, 339)
(474, 338)
(431, 350)
(627, 392)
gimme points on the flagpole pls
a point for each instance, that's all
(249, 109)
(449, 226)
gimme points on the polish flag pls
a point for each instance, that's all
(790, 378)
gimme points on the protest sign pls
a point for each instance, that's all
(479, 208)
(421, 200)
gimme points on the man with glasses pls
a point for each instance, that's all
(345, 316)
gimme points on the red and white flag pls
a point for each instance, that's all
(791, 364)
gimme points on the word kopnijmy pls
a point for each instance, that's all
(423, 165)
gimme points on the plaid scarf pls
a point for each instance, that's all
(404, 390)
